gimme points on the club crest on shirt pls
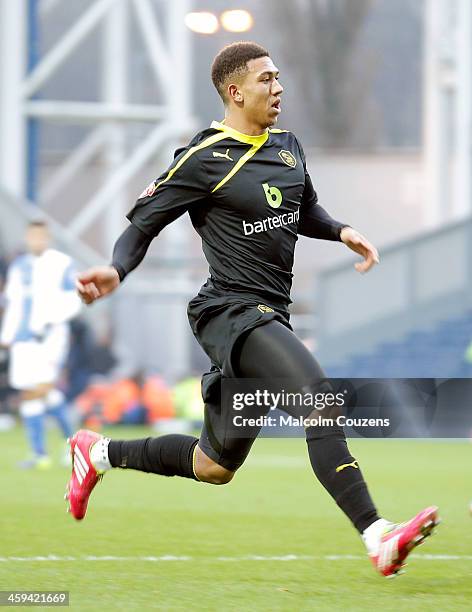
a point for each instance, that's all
(149, 191)
(263, 308)
(287, 158)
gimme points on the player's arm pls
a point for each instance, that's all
(167, 198)
(12, 313)
(128, 253)
(315, 221)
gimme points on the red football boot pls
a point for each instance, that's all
(84, 475)
(397, 543)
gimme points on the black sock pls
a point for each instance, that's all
(170, 455)
(340, 475)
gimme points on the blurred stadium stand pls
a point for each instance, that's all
(438, 353)
(15, 213)
(410, 317)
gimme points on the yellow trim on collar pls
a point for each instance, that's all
(206, 143)
(239, 136)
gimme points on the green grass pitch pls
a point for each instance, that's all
(270, 540)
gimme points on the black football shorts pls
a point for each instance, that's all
(219, 324)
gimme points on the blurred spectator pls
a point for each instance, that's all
(130, 401)
(87, 357)
(122, 403)
(90, 403)
(188, 399)
(103, 360)
(40, 300)
(78, 365)
(158, 399)
(7, 394)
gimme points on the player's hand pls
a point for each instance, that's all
(96, 283)
(357, 243)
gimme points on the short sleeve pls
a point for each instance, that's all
(181, 187)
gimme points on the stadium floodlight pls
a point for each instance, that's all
(237, 20)
(202, 22)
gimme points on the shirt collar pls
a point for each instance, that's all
(239, 136)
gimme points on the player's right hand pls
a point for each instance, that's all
(96, 283)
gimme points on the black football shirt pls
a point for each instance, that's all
(248, 198)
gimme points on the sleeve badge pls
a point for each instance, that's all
(149, 191)
(287, 158)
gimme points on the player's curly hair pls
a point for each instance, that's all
(232, 61)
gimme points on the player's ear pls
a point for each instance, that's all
(235, 93)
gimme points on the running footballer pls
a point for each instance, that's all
(247, 190)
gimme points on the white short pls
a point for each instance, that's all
(34, 363)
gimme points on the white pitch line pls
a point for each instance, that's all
(165, 558)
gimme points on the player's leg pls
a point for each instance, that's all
(219, 453)
(22, 377)
(168, 455)
(272, 351)
(208, 470)
(55, 348)
(213, 458)
(36, 403)
(217, 457)
(58, 408)
(32, 415)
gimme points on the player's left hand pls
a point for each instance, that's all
(359, 244)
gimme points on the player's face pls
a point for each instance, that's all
(37, 239)
(261, 92)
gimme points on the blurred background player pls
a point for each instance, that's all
(40, 302)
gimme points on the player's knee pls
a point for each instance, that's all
(216, 474)
(209, 471)
(38, 392)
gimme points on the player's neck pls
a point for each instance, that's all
(243, 125)
(37, 253)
